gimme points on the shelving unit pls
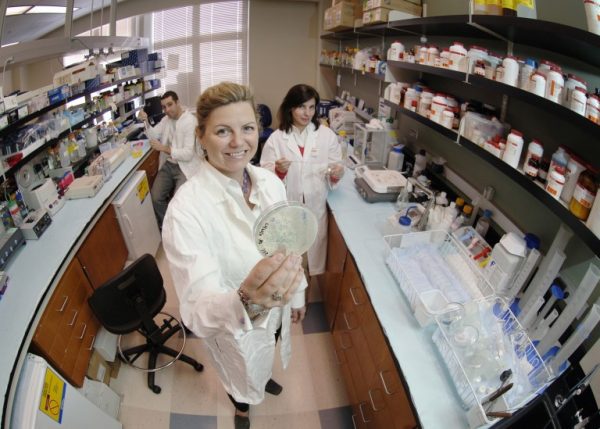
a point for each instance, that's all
(360, 113)
(571, 42)
(30, 152)
(534, 188)
(561, 39)
(376, 76)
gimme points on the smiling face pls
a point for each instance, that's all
(230, 138)
(171, 108)
(303, 114)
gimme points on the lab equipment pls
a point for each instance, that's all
(133, 206)
(371, 146)
(541, 327)
(433, 270)
(556, 293)
(286, 226)
(529, 314)
(10, 243)
(35, 224)
(506, 258)
(581, 333)
(44, 400)
(84, 187)
(543, 279)
(502, 347)
(574, 305)
(384, 181)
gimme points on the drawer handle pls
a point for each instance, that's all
(82, 332)
(373, 402)
(353, 421)
(92, 343)
(337, 358)
(76, 312)
(362, 414)
(353, 297)
(64, 304)
(346, 320)
(345, 347)
(385, 388)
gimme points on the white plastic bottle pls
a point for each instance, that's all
(578, 101)
(559, 162)
(554, 84)
(395, 159)
(513, 149)
(535, 151)
(483, 224)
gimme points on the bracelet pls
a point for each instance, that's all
(253, 310)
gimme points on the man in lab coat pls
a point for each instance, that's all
(174, 137)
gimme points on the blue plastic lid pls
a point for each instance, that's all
(557, 292)
(531, 62)
(404, 221)
(532, 241)
(397, 149)
(487, 213)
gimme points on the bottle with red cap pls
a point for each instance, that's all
(513, 149)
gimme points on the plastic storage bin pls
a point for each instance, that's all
(479, 129)
(497, 343)
(434, 272)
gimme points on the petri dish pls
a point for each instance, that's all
(287, 226)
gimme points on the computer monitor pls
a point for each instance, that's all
(153, 109)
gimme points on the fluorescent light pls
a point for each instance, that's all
(9, 44)
(17, 10)
(50, 9)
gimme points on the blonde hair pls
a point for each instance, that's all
(221, 95)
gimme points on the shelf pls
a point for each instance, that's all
(360, 113)
(558, 38)
(29, 152)
(541, 103)
(350, 70)
(532, 187)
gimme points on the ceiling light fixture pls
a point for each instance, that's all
(50, 9)
(17, 10)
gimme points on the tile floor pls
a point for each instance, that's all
(313, 394)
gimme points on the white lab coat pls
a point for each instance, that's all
(208, 240)
(305, 180)
(181, 136)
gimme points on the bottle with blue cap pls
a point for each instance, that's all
(527, 69)
(483, 224)
(404, 224)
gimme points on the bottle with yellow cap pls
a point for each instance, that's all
(462, 217)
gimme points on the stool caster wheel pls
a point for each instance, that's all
(156, 389)
(199, 367)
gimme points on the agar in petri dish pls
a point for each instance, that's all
(287, 226)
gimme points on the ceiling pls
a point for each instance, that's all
(23, 28)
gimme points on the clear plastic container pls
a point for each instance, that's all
(479, 129)
(427, 261)
(287, 226)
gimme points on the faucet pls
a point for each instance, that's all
(560, 401)
(422, 224)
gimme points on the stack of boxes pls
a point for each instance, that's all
(377, 11)
(343, 15)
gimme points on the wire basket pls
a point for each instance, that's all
(434, 272)
(478, 345)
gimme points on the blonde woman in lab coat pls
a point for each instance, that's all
(229, 295)
(302, 153)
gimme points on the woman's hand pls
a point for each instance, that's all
(274, 280)
(298, 314)
(336, 171)
(282, 165)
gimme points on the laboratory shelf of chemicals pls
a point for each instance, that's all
(535, 101)
(533, 187)
(561, 39)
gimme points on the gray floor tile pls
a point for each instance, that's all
(315, 320)
(336, 418)
(187, 421)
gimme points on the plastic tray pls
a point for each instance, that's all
(433, 271)
(501, 344)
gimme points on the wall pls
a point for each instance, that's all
(284, 39)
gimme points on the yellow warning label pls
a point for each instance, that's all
(53, 395)
(143, 189)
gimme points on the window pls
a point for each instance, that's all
(202, 45)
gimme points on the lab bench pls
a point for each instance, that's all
(80, 249)
(392, 370)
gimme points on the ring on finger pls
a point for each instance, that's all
(276, 296)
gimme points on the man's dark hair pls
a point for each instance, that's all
(171, 94)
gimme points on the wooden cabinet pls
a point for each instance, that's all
(67, 329)
(103, 253)
(375, 389)
(336, 258)
(150, 166)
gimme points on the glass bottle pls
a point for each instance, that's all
(584, 195)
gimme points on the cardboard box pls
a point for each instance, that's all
(339, 17)
(381, 14)
(98, 369)
(401, 5)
